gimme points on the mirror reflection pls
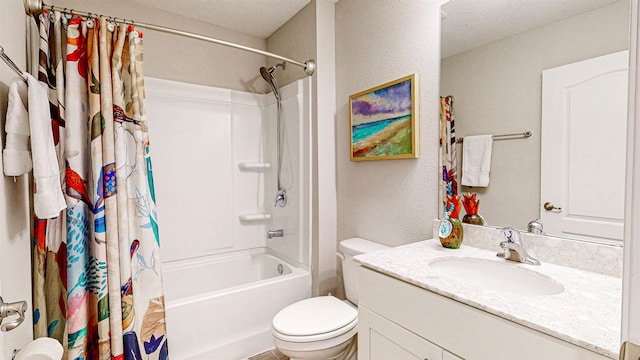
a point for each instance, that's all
(559, 71)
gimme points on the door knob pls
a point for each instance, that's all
(550, 207)
(12, 309)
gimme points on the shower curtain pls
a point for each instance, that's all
(449, 184)
(96, 267)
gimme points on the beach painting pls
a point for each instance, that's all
(384, 121)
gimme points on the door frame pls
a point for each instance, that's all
(631, 265)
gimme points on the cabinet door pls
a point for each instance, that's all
(381, 339)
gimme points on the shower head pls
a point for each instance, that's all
(267, 75)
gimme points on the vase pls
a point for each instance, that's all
(474, 219)
(451, 233)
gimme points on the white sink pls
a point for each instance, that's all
(503, 276)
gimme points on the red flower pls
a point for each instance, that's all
(471, 205)
(453, 206)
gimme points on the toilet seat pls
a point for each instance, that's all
(315, 319)
(317, 337)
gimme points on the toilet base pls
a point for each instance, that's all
(347, 350)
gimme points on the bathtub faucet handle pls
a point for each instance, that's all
(275, 233)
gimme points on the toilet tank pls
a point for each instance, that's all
(348, 249)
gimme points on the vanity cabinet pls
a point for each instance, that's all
(398, 320)
(381, 339)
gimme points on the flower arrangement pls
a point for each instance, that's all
(453, 206)
(471, 206)
(470, 203)
(451, 231)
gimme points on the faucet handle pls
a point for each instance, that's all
(511, 234)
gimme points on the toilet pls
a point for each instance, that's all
(324, 327)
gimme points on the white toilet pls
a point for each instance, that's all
(324, 328)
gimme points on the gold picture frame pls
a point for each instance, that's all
(384, 121)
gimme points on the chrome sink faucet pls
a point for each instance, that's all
(514, 248)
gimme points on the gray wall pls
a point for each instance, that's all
(311, 34)
(498, 89)
(15, 221)
(177, 58)
(391, 201)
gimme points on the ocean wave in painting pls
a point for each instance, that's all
(384, 137)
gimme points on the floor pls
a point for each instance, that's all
(272, 354)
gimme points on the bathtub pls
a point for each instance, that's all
(221, 306)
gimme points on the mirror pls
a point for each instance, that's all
(493, 57)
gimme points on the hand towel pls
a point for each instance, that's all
(476, 160)
(48, 199)
(16, 158)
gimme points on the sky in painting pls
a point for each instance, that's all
(386, 103)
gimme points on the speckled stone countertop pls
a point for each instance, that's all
(587, 313)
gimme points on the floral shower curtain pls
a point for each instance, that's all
(96, 267)
(449, 184)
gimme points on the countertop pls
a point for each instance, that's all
(587, 313)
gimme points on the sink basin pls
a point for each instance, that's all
(503, 276)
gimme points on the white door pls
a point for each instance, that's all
(583, 147)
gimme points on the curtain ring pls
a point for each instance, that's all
(90, 23)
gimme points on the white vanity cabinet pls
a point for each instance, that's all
(398, 320)
(381, 339)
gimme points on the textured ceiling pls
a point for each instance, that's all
(254, 17)
(472, 23)
(467, 24)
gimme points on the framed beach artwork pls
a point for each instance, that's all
(384, 121)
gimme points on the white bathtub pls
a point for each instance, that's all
(220, 307)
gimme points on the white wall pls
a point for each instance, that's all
(391, 201)
(15, 221)
(498, 89)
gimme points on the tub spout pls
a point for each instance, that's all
(275, 233)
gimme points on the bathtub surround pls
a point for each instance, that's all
(225, 209)
(593, 257)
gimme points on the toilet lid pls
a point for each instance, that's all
(313, 316)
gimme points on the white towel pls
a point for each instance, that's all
(16, 158)
(48, 199)
(476, 160)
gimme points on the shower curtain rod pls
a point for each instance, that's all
(35, 7)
